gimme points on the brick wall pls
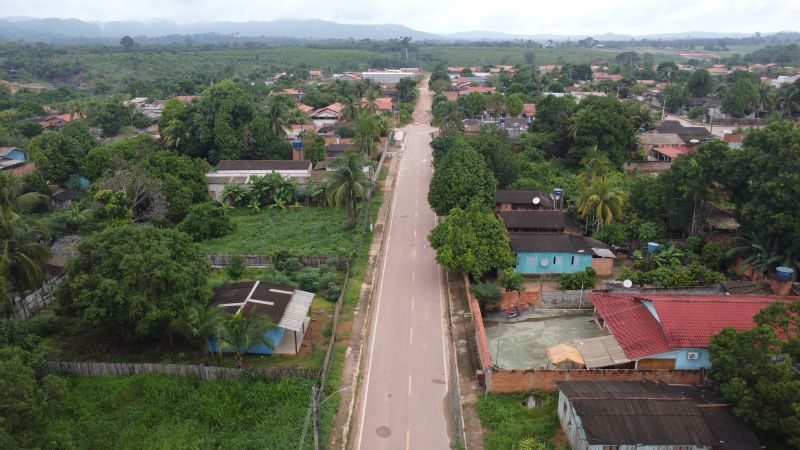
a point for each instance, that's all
(480, 333)
(507, 381)
(511, 298)
(603, 266)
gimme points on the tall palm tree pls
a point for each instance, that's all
(370, 103)
(233, 194)
(367, 134)
(241, 332)
(766, 98)
(595, 164)
(23, 253)
(350, 110)
(448, 118)
(200, 325)
(13, 197)
(696, 189)
(348, 184)
(277, 113)
(174, 135)
(76, 108)
(785, 101)
(602, 202)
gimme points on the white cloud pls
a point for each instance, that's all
(589, 17)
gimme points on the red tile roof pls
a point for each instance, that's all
(305, 108)
(636, 330)
(733, 138)
(529, 109)
(480, 89)
(673, 151)
(690, 320)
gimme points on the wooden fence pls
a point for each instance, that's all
(27, 306)
(90, 369)
(259, 261)
(329, 351)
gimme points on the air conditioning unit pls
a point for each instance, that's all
(693, 355)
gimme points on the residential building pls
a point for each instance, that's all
(687, 134)
(642, 415)
(718, 70)
(389, 76)
(327, 115)
(238, 172)
(669, 153)
(556, 253)
(522, 200)
(12, 158)
(672, 331)
(734, 141)
(542, 221)
(285, 306)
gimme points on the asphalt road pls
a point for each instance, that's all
(402, 404)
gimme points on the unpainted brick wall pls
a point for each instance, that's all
(508, 381)
(480, 333)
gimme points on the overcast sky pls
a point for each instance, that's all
(589, 17)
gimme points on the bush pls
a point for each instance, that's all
(651, 232)
(579, 280)
(511, 280)
(715, 256)
(695, 274)
(206, 221)
(612, 234)
(289, 266)
(332, 291)
(486, 292)
(236, 268)
(308, 280)
(272, 275)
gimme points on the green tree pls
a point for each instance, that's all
(16, 197)
(350, 110)
(755, 371)
(741, 99)
(472, 241)
(200, 325)
(485, 292)
(241, 332)
(127, 43)
(206, 221)
(134, 280)
(367, 135)
(674, 96)
(110, 116)
(24, 252)
(602, 203)
(447, 116)
(603, 123)
(314, 148)
(348, 185)
(699, 83)
(222, 114)
(511, 280)
(461, 176)
(234, 195)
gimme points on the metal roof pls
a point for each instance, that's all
(538, 220)
(296, 311)
(660, 139)
(603, 351)
(262, 164)
(554, 242)
(284, 305)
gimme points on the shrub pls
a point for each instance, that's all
(236, 267)
(651, 232)
(612, 234)
(272, 275)
(289, 266)
(579, 280)
(332, 292)
(308, 280)
(695, 274)
(206, 221)
(511, 280)
(486, 292)
(715, 256)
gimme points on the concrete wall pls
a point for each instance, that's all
(508, 381)
(682, 361)
(565, 300)
(557, 262)
(647, 166)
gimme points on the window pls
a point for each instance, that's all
(557, 260)
(574, 260)
(531, 260)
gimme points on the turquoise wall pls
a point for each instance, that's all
(682, 362)
(557, 262)
(275, 334)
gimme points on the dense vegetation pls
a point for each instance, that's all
(510, 424)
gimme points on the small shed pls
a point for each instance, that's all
(285, 306)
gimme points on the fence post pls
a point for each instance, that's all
(314, 415)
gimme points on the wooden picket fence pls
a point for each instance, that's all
(29, 305)
(260, 261)
(91, 369)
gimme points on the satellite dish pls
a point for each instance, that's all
(627, 284)
(536, 200)
(694, 141)
(544, 262)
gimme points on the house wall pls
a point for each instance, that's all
(523, 380)
(570, 423)
(603, 266)
(682, 361)
(17, 154)
(557, 262)
(275, 334)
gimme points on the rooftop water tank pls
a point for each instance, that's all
(653, 247)
(784, 273)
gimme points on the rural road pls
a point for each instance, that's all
(402, 404)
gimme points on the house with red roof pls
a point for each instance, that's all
(479, 89)
(327, 115)
(671, 331)
(600, 76)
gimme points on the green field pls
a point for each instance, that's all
(164, 412)
(307, 231)
(508, 422)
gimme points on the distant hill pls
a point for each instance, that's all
(72, 30)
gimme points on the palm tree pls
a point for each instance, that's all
(76, 108)
(785, 101)
(366, 136)
(174, 135)
(670, 257)
(23, 252)
(296, 116)
(348, 184)
(259, 190)
(594, 165)
(233, 194)
(13, 197)
(370, 103)
(696, 188)
(240, 332)
(350, 110)
(602, 202)
(763, 254)
(277, 113)
(766, 98)
(448, 118)
(280, 188)
(200, 325)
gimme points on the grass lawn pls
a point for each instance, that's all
(308, 231)
(508, 421)
(160, 411)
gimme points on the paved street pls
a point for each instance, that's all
(402, 404)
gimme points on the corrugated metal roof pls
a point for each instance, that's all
(603, 351)
(262, 164)
(635, 329)
(296, 312)
(660, 139)
(554, 242)
(556, 221)
(523, 197)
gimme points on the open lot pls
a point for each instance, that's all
(522, 345)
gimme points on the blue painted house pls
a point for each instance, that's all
(672, 331)
(285, 306)
(557, 253)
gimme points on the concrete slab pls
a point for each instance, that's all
(522, 345)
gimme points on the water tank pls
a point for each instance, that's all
(297, 144)
(784, 273)
(653, 247)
